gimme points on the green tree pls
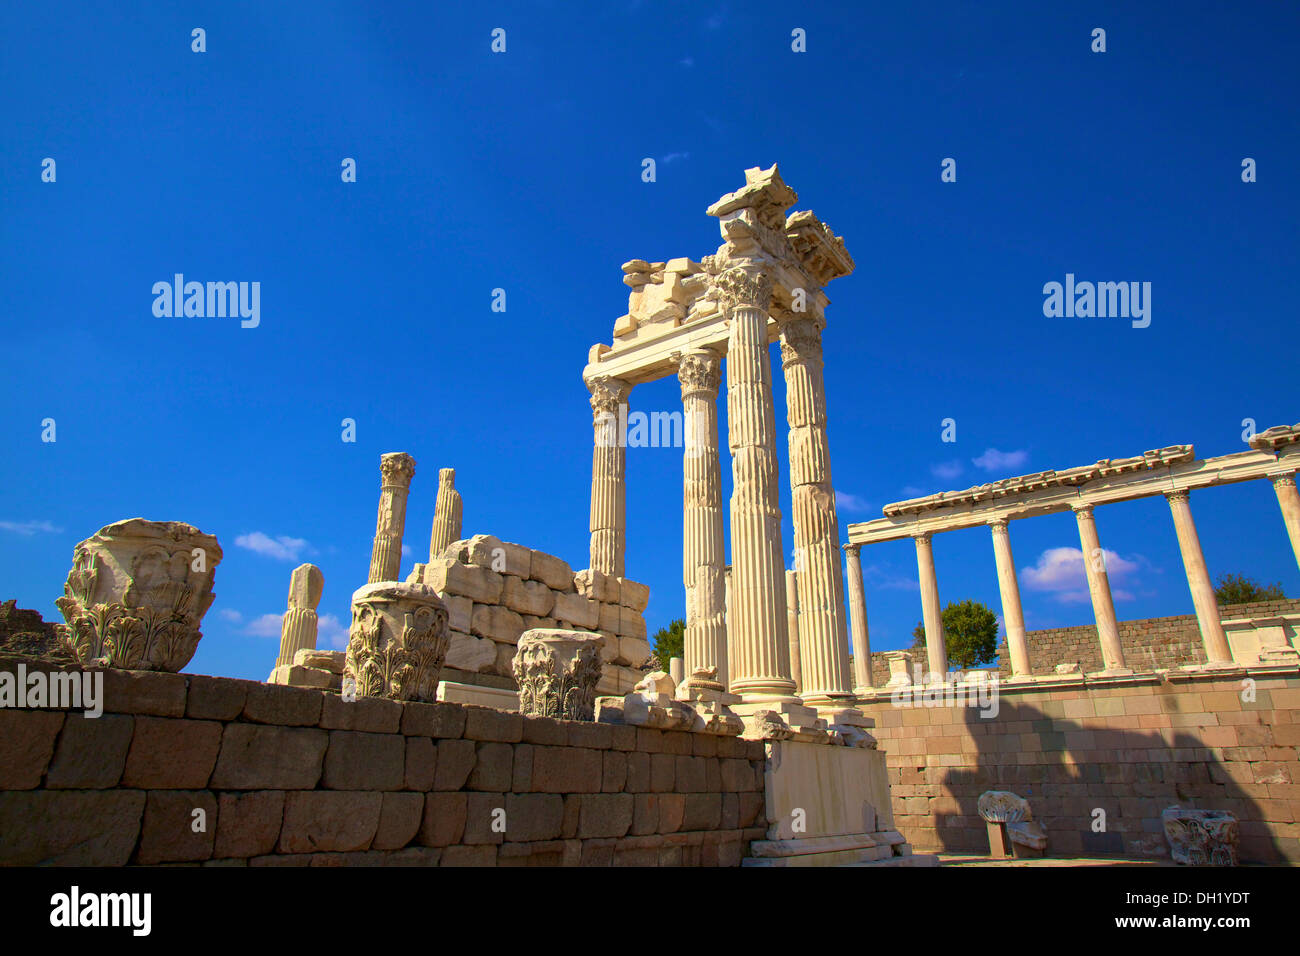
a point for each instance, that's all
(1238, 589)
(970, 632)
(669, 642)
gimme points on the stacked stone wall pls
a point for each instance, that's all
(294, 776)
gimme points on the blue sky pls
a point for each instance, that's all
(522, 171)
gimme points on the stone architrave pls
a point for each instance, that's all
(703, 546)
(1103, 605)
(1200, 837)
(1217, 649)
(557, 672)
(759, 663)
(823, 634)
(397, 469)
(446, 515)
(608, 475)
(1013, 616)
(862, 678)
(136, 594)
(298, 627)
(936, 646)
(398, 641)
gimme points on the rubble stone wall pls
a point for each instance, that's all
(1128, 750)
(296, 776)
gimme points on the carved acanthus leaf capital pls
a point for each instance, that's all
(801, 341)
(397, 468)
(743, 288)
(699, 372)
(607, 394)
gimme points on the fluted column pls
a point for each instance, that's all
(446, 514)
(1289, 501)
(1217, 649)
(936, 647)
(703, 547)
(823, 634)
(760, 659)
(1013, 617)
(608, 474)
(298, 627)
(1103, 605)
(397, 469)
(792, 624)
(862, 680)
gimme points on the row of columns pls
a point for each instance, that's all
(749, 641)
(1213, 636)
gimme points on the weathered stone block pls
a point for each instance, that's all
(605, 815)
(638, 773)
(273, 758)
(329, 820)
(480, 585)
(483, 855)
(283, 706)
(486, 723)
(170, 754)
(545, 730)
(374, 715)
(634, 651)
(663, 770)
(533, 816)
(567, 770)
(493, 768)
(216, 698)
(174, 829)
(484, 818)
(444, 819)
(468, 653)
(591, 736)
(632, 625)
(576, 610)
(432, 720)
(498, 623)
(144, 692)
(69, 827)
(91, 752)
(421, 763)
(614, 777)
(597, 585)
(529, 598)
(672, 812)
(399, 820)
(27, 740)
(551, 571)
(248, 824)
(356, 761)
(459, 611)
(703, 811)
(633, 595)
(454, 763)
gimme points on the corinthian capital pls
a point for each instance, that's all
(699, 373)
(801, 341)
(607, 394)
(397, 468)
(743, 288)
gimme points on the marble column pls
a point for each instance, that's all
(759, 638)
(397, 469)
(299, 624)
(446, 514)
(823, 634)
(936, 648)
(608, 474)
(703, 547)
(1289, 501)
(1103, 605)
(1013, 617)
(862, 679)
(1217, 649)
(792, 622)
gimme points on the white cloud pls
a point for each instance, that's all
(1060, 571)
(886, 579)
(29, 528)
(406, 551)
(231, 615)
(674, 157)
(994, 460)
(847, 502)
(331, 633)
(268, 625)
(282, 547)
(947, 470)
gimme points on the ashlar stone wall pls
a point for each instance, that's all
(296, 776)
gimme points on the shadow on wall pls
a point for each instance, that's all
(1131, 776)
